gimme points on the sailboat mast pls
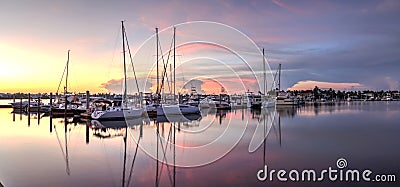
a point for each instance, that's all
(174, 62)
(123, 52)
(158, 81)
(265, 76)
(66, 78)
(279, 85)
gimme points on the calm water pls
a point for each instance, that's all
(38, 152)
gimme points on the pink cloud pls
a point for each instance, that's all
(230, 85)
(195, 48)
(287, 7)
(310, 84)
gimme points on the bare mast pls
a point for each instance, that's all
(123, 52)
(66, 77)
(265, 76)
(174, 63)
(157, 91)
(279, 85)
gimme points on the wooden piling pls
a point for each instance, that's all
(51, 112)
(29, 103)
(38, 112)
(87, 100)
(29, 109)
(51, 103)
(140, 99)
(20, 108)
(65, 107)
(40, 97)
(87, 132)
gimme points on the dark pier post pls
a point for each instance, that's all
(51, 124)
(87, 132)
(20, 108)
(29, 109)
(65, 108)
(39, 100)
(87, 101)
(13, 106)
(38, 110)
(51, 107)
(140, 99)
(242, 114)
(162, 127)
(141, 131)
(29, 103)
(51, 102)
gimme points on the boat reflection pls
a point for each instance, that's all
(287, 111)
(282, 111)
(117, 124)
(111, 129)
(178, 118)
(161, 159)
(269, 116)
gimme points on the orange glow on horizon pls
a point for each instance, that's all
(28, 68)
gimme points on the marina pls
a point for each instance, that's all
(272, 93)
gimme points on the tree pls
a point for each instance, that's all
(316, 92)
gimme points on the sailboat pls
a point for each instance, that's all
(176, 109)
(284, 98)
(119, 112)
(67, 104)
(169, 109)
(268, 101)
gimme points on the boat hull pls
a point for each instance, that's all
(268, 104)
(177, 110)
(117, 115)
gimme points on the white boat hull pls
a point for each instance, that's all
(177, 110)
(117, 114)
(268, 104)
(286, 102)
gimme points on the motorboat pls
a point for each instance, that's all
(268, 103)
(176, 109)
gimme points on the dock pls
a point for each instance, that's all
(5, 106)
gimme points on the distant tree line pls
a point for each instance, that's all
(331, 94)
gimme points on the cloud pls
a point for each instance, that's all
(393, 84)
(115, 85)
(310, 84)
(193, 84)
(328, 41)
(287, 7)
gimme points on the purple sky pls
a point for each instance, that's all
(321, 41)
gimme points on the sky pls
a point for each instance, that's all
(345, 45)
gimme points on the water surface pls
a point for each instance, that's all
(37, 151)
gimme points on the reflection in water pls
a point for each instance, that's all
(287, 111)
(122, 127)
(64, 149)
(304, 137)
